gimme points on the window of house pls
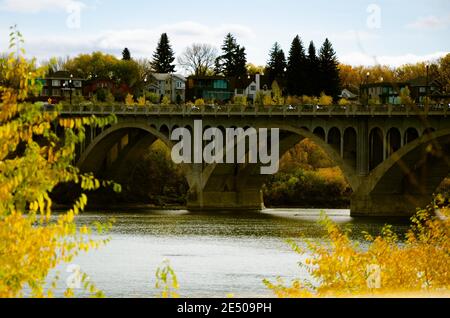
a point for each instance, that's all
(77, 83)
(56, 83)
(422, 90)
(220, 84)
(56, 92)
(253, 88)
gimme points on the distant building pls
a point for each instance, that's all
(60, 85)
(389, 93)
(218, 88)
(248, 86)
(223, 89)
(384, 92)
(420, 87)
(172, 85)
(348, 95)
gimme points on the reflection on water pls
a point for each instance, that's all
(213, 254)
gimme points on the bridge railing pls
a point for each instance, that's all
(233, 110)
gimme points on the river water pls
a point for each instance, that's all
(213, 254)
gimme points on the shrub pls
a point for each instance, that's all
(129, 100)
(152, 97)
(109, 98)
(342, 268)
(240, 100)
(142, 101)
(325, 100)
(343, 102)
(165, 100)
(268, 101)
(199, 102)
(34, 160)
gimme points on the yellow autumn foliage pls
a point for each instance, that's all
(33, 161)
(418, 264)
(166, 281)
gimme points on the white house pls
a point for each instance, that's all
(172, 85)
(248, 87)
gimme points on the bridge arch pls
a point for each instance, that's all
(411, 134)
(129, 141)
(407, 179)
(393, 141)
(320, 132)
(350, 146)
(376, 147)
(334, 139)
(249, 175)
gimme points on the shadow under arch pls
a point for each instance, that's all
(93, 158)
(414, 171)
(292, 136)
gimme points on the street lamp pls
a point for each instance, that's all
(145, 85)
(368, 89)
(426, 88)
(70, 87)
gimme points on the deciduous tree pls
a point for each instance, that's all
(198, 59)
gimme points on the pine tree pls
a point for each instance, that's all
(232, 62)
(329, 70)
(312, 72)
(296, 68)
(126, 55)
(163, 56)
(277, 64)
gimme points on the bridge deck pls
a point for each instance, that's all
(232, 110)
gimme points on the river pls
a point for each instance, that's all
(213, 254)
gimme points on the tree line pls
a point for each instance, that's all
(303, 72)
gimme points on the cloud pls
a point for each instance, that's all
(430, 23)
(36, 6)
(141, 42)
(358, 58)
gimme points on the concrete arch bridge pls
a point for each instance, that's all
(393, 159)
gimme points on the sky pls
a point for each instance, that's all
(388, 32)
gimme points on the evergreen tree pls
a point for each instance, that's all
(233, 61)
(296, 68)
(163, 56)
(312, 72)
(329, 70)
(126, 55)
(277, 64)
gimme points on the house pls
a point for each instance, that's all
(419, 88)
(348, 95)
(384, 92)
(172, 85)
(248, 86)
(60, 85)
(422, 87)
(224, 89)
(217, 88)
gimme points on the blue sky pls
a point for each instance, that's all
(363, 32)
